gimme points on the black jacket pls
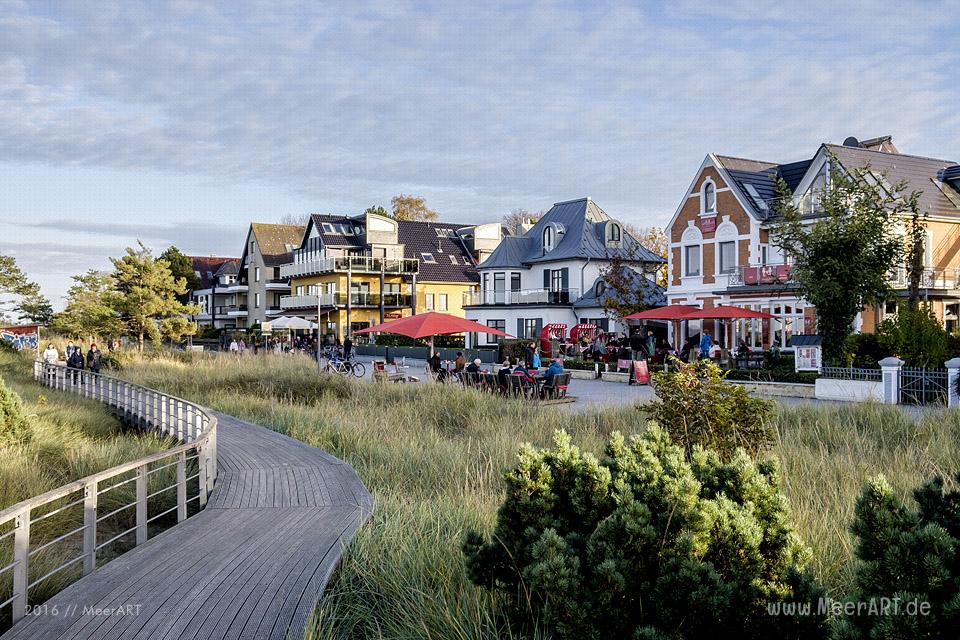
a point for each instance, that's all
(93, 360)
(75, 361)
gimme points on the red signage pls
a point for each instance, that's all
(708, 224)
(641, 373)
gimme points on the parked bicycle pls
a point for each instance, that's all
(345, 367)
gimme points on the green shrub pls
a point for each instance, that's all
(864, 350)
(915, 336)
(647, 543)
(698, 407)
(14, 426)
(907, 556)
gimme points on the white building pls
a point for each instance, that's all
(552, 273)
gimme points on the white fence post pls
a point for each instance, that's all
(141, 504)
(90, 528)
(21, 571)
(891, 379)
(953, 375)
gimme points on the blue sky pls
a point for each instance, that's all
(180, 122)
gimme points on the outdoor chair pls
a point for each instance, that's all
(490, 382)
(515, 384)
(561, 385)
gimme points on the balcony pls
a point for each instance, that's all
(236, 311)
(306, 266)
(520, 297)
(759, 274)
(277, 284)
(328, 300)
(929, 279)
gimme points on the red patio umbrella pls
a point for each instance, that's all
(432, 324)
(727, 313)
(673, 312)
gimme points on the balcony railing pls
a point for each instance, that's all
(390, 300)
(522, 296)
(929, 279)
(237, 310)
(757, 274)
(303, 265)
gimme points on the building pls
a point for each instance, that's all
(721, 251)
(267, 247)
(552, 273)
(357, 271)
(219, 291)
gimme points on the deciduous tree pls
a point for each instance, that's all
(843, 253)
(412, 208)
(376, 210)
(519, 217)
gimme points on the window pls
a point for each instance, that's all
(299, 289)
(709, 197)
(499, 325)
(601, 287)
(327, 227)
(443, 302)
(691, 260)
(728, 256)
(453, 259)
(764, 254)
(486, 283)
(556, 280)
(444, 233)
(256, 274)
(357, 231)
(547, 239)
(613, 233)
(429, 302)
(760, 202)
(427, 257)
(499, 285)
(531, 327)
(890, 308)
(276, 273)
(256, 301)
(514, 282)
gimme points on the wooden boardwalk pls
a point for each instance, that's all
(251, 565)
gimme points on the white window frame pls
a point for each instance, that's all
(548, 239)
(703, 198)
(441, 302)
(428, 301)
(686, 269)
(256, 274)
(692, 236)
(256, 301)
(428, 257)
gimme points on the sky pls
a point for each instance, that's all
(181, 122)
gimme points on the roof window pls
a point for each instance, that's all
(427, 257)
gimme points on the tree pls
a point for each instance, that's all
(181, 266)
(90, 310)
(625, 290)
(916, 245)
(842, 259)
(412, 208)
(654, 239)
(298, 219)
(19, 295)
(146, 297)
(520, 216)
(376, 210)
(916, 336)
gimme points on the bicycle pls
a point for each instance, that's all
(345, 367)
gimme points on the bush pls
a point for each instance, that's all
(647, 544)
(909, 555)
(697, 407)
(864, 350)
(915, 336)
(14, 427)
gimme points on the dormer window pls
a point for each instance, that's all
(547, 239)
(427, 257)
(614, 233)
(709, 197)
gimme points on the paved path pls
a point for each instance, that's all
(251, 565)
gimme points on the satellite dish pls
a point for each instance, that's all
(851, 142)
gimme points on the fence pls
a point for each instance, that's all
(850, 373)
(923, 386)
(94, 499)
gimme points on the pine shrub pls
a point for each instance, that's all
(908, 579)
(14, 426)
(698, 407)
(647, 543)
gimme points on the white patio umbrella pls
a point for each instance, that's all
(292, 323)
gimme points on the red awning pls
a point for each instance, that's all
(424, 325)
(723, 313)
(669, 312)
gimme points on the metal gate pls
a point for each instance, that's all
(923, 386)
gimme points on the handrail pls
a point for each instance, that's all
(190, 423)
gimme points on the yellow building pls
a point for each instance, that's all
(356, 272)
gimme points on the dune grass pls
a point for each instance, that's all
(433, 456)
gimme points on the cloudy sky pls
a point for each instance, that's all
(180, 122)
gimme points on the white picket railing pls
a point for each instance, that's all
(193, 425)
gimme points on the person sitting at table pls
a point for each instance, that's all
(474, 367)
(502, 374)
(436, 367)
(521, 368)
(555, 367)
(459, 363)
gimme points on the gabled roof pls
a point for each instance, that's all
(336, 239)
(761, 176)
(653, 294)
(584, 226)
(209, 268)
(275, 240)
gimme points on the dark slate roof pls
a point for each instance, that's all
(801, 340)
(209, 267)
(584, 226)
(762, 177)
(653, 294)
(918, 172)
(274, 240)
(338, 240)
(421, 237)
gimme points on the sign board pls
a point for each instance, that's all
(266, 328)
(23, 337)
(641, 374)
(708, 224)
(807, 358)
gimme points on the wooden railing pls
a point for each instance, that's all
(189, 423)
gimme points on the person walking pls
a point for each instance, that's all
(51, 358)
(75, 365)
(651, 344)
(528, 352)
(347, 347)
(636, 344)
(94, 358)
(705, 343)
(234, 346)
(534, 361)
(70, 349)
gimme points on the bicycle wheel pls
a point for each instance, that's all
(358, 369)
